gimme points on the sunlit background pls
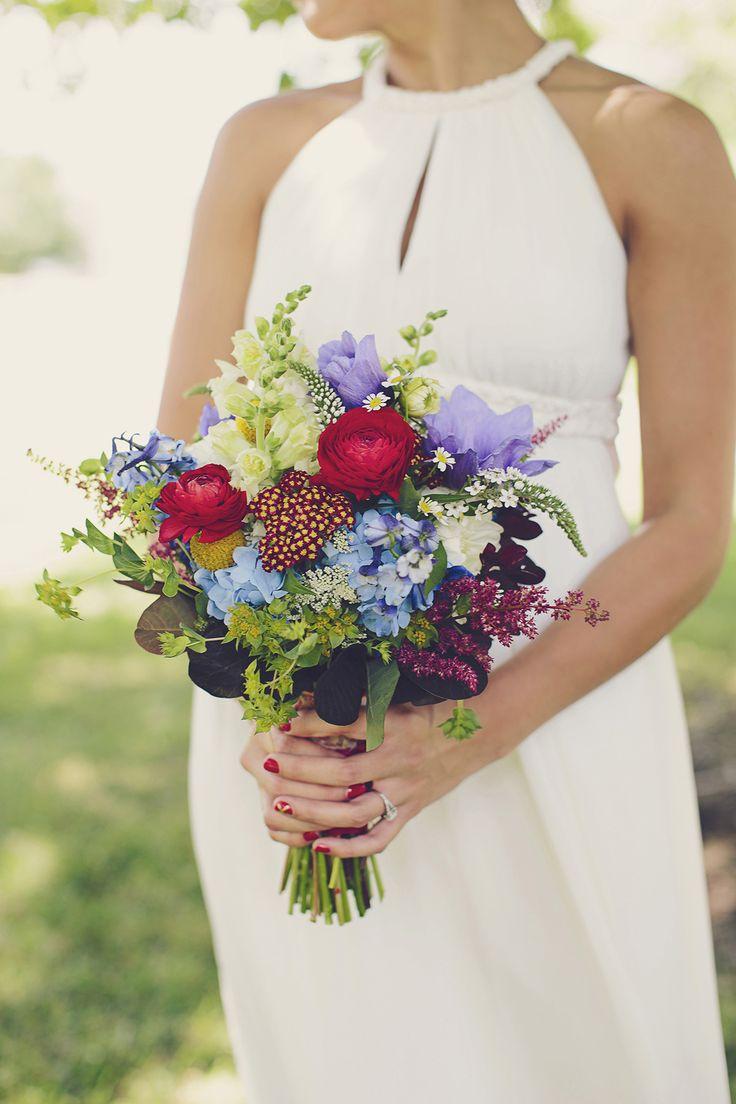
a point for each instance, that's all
(107, 986)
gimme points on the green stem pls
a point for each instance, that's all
(377, 876)
(344, 894)
(358, 887)
(324, 891)
(99, 575)
(260, 431)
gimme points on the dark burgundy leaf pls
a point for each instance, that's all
(220, 670)
(339, 690)
(164, 615)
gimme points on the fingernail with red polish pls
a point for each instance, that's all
(272, 766)
(285, 727)
(355, 791)
(322, 849)
(311, 836)
(284, 807)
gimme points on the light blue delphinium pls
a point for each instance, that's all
(246, 581)
(161, 458)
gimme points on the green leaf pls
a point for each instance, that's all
(171, 584)
(381, 683)
(198, 389)
(310, 658)
(437, 573)
(462, 723)
(92, 466)
(294, 585)
(409, 498)
(130, 564)
(98, 540)
(200, 603)
(69, 540)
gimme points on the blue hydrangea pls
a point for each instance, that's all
(161, 458)
(389, 557)
(246, 581)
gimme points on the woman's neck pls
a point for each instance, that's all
(448, 44)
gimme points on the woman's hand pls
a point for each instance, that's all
(262, 757)
(415, 765)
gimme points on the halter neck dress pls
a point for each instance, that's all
(545, 935)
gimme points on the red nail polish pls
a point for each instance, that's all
(285, 727)
(284, 807)
(322, 849)
(272, 766)
(311, 836)
(356, 790)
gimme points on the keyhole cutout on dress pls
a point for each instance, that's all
(411, 219)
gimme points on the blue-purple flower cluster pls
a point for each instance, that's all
(389, 556)
(160, 459)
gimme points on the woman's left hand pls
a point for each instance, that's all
(414, 766)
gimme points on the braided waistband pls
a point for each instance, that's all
(596, 418)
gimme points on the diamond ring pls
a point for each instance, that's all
(390, 810)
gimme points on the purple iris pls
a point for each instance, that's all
(479, 438)
(351, 367)
(208, 418)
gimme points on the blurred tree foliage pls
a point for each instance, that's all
(561, 21)
(33, 218)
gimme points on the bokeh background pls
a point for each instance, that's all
(109, 110)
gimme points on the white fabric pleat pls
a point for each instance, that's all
(545, 937)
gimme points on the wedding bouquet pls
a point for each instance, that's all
(338, 534)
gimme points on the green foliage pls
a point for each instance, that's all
(267, 11)
(137, 506)
(462, 723)
(563, 21)
(108, 988)
(33, 219)
(57, 597)
(537, 496)
(382, 679)
(437, 573)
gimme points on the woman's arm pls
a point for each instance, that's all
(680, 202)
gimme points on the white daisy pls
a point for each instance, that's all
(375, 401)
(443, 459)
(430, 508)
(394, 376)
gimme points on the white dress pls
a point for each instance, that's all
(545, 935)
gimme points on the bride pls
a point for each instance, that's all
(545, 937)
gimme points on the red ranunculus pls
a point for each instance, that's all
(365, 452)
(201, 502)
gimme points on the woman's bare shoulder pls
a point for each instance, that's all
(653, 147)
(261, 139)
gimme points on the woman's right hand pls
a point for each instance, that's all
(261, 750)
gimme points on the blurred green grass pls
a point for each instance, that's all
(107, 982)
